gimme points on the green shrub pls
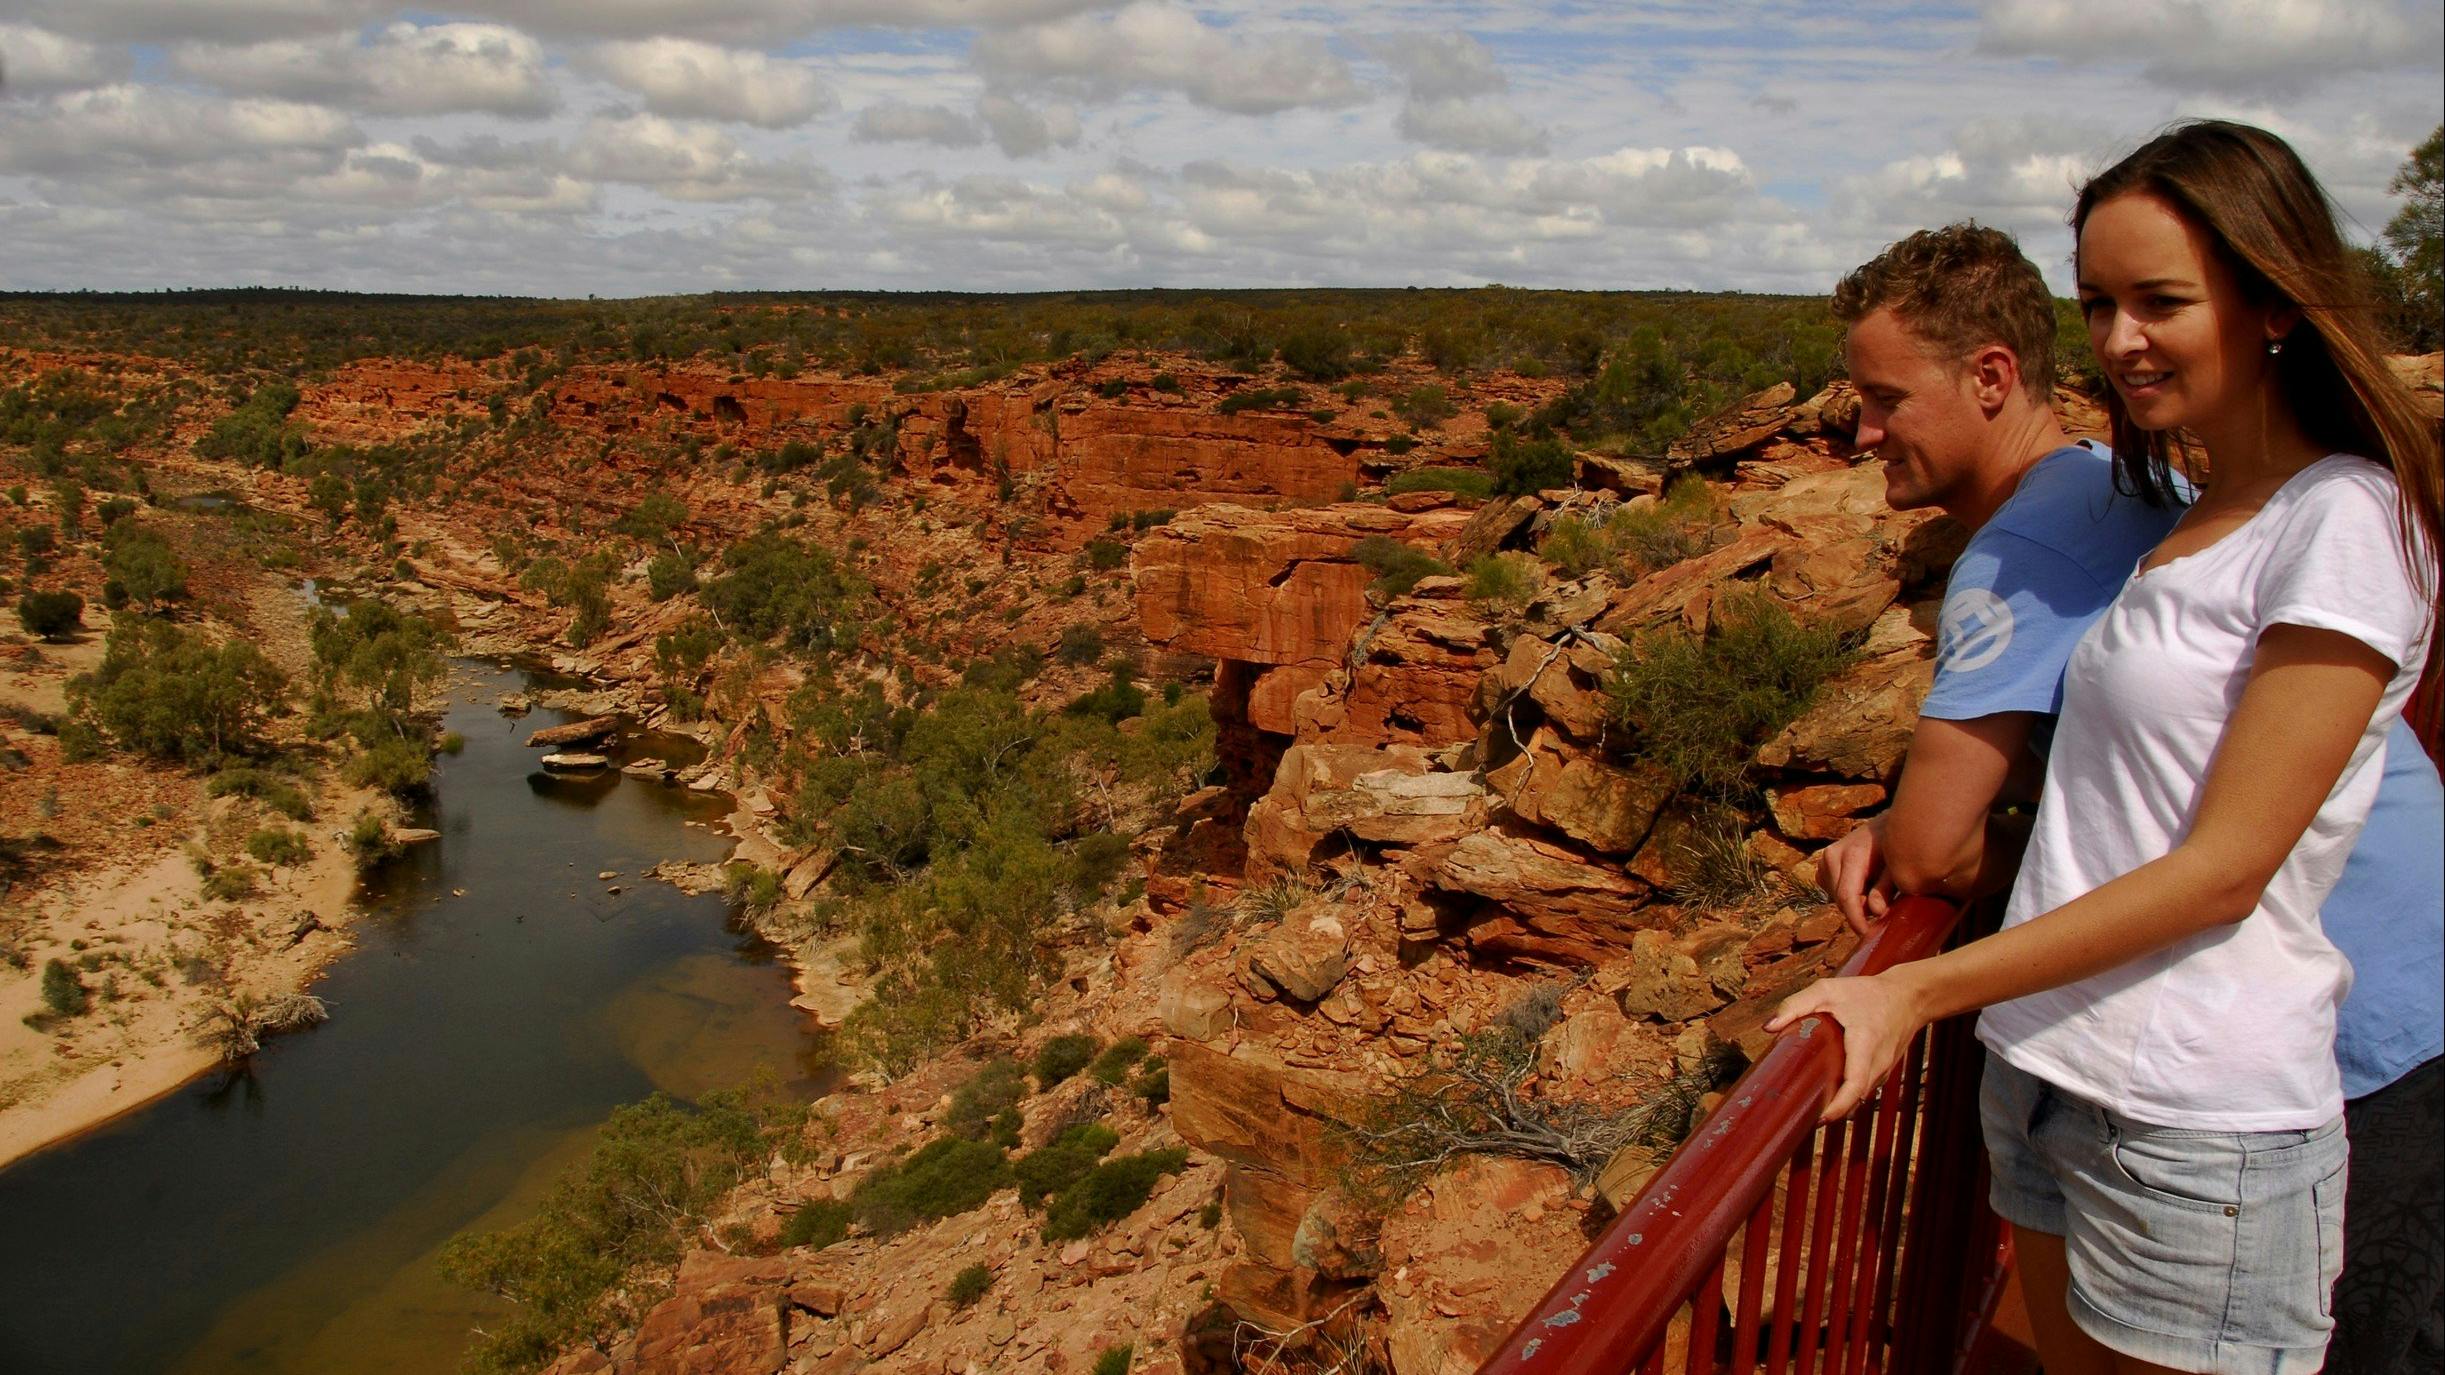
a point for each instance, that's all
(271, 789)
(1155, 1085)
(1528, 465)
(946, 1176)
(369, 838)
(1425, 407)
(1080, 644)
(1261, 399)
(1113, 1360)
(968, 1286)
(1118, 1059)
(395, 765)
(669, 574)
(34, 541)
(279, 845)
(996, 1088)
(1163, 382)
(1397, 567)
(1577, 547)
(50, 615)
(818, 1222)
(1504, 580)
(1104, 555)
(1041, 1174)
(1475, 483)
(1062, 1056)
(231, 882)
(1699, 705)
(63, 994)
(1109, 1192)
(752, 885)
(1320, 355)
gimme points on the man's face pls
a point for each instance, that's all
(1920, 413)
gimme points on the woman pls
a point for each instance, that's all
(2162, 1108)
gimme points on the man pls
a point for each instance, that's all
(1951, 345)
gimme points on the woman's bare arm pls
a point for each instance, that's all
(2311, 693)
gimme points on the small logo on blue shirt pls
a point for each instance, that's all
(1976, 630)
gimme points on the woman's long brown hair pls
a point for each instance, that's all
(2275, 226)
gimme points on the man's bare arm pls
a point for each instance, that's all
(1936, 838)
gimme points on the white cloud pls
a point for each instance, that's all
(2288, 43)
(693, 162)
(690, 80)
(1159, 46)
(1441, 66)
(123, 128)
(401, 69)
(1017, 129)
(761, 20)
(1024, 131)
(1454, 95)
(36, 61)
(1475, 125)
(222, 21)
(893, 121)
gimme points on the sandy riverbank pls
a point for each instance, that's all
(118, 898)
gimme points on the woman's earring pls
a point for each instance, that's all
(2274, 347)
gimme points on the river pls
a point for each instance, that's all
(499, 1002)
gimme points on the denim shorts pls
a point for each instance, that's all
(2200, 1250)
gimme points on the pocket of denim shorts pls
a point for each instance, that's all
(2327, 1197)
(2200, 1171)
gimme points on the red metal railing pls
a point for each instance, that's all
(1768, 1243)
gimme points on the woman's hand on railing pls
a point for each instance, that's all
(1852, 872)
(1878, 1015)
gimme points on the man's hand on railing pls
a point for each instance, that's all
(1852, 872)
(1878, 1016)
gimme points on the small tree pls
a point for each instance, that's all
(142, 562)
(63, 994)
(51, 615)
(2417, 236)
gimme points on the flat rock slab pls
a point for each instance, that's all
(575, 763)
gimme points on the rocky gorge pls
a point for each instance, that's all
(1436, 816)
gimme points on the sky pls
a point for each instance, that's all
(637, 147)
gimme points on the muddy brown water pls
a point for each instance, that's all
(286, 1217)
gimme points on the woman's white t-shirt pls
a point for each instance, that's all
(2233, 1028)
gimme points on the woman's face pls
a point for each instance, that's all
(2169, 325)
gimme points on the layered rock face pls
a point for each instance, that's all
(1076, 457)
(1469, 817)
(1274, 597)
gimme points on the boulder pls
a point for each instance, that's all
(1495, 522)
(1412, 679)
(1301, 958)
(1861, 721)
(1744, 424)
(1822, 811)
(1390, 796)
(1660, 981)
(727, 1318)
(575, 762)
(1607, 808)
(1192, 1007)
(584, 732)
(1270, 1123)
(1463, 1258)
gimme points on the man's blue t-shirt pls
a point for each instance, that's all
(2024, 591)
